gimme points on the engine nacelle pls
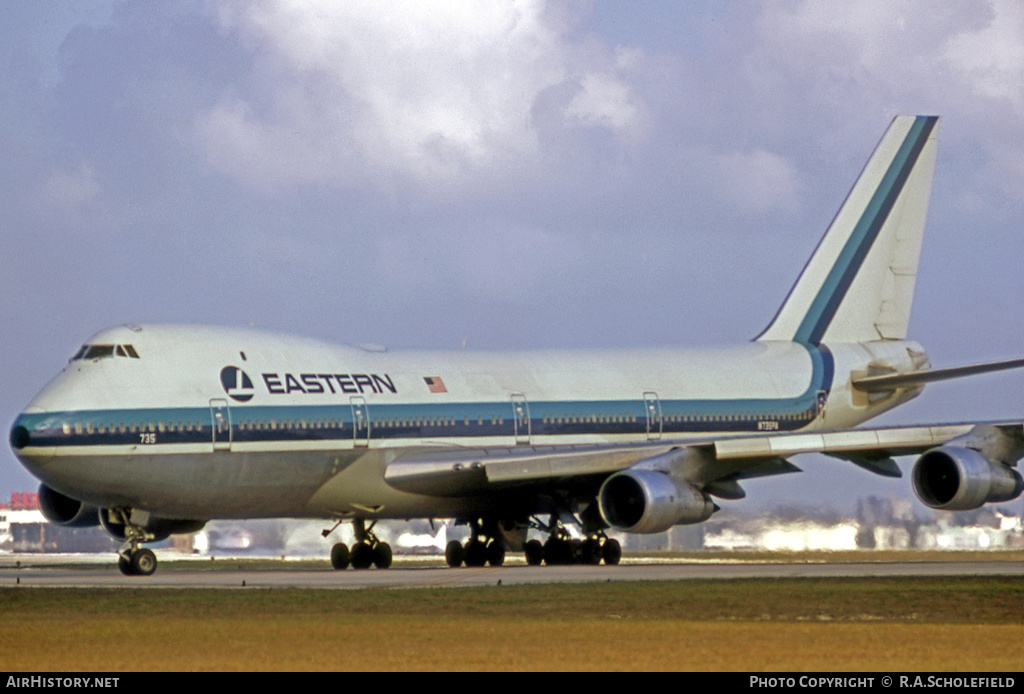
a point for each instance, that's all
(951, 478)
(156, 528)
(648, 501)
(63, 510)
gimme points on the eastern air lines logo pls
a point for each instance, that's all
(237, 384)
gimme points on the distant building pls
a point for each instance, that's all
(23, 529)
(882, 524)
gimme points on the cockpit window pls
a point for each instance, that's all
(99, 352)
(104, 351)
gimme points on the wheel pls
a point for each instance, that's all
(382, 555)
(495, 553)
(125, 565)
(534, 552)
(453, 554)
(143, 562)
(340, 556)
(557, 552)
(590, 552)
(361, 556)
(475, 553)
(611, 552)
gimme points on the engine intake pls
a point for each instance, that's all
(63, 510)
(648, 501)
(951, 478)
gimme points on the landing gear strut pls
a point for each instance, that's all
(367, 551)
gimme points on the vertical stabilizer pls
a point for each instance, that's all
(859, 284)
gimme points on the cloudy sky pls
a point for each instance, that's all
(514, 174)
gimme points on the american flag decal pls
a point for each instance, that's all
(435, 384)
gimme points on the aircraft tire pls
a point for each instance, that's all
(495, 553)
(125, 565)
(453, 554)
(382, 555)
(611, 552)
(590, 552)
(476, 553)
(340, 556)
(534, 552)
(143, 562)
(361, 556)
(558, 552)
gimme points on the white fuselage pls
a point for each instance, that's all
(200, 423)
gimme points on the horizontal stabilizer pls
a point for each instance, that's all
(888, 382)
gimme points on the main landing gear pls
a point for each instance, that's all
(479, 550)
(561, 549)
(486, 547)
(366, 552)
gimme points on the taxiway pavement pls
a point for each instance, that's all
(233, 574)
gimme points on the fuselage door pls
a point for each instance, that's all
(220, 420)
(822, 401)
(652, 405)
(521, 418)
(360, 422)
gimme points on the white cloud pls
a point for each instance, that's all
(603, 100)
(424, 91)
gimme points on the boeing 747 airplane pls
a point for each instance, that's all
(156, 429)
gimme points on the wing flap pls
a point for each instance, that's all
(879, 442)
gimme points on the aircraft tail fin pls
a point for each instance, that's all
(859, 283)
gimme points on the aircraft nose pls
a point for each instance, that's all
(21, 431)
(20, 437)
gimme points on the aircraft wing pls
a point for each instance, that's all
(714, 465)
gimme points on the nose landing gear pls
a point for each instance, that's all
(132, 559)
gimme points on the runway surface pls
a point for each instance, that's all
(226, 573)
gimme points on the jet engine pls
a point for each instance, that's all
(952, 478)
(648, 501)
(63, 510)
(155, 528)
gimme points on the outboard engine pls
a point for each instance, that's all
(951, 478)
